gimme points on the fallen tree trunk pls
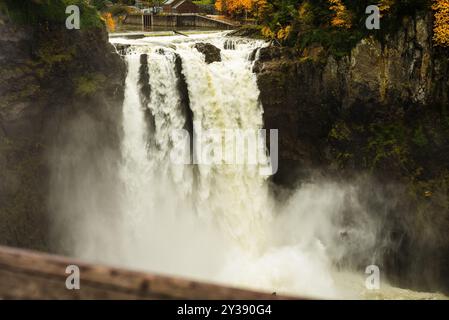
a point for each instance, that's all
(26, 274)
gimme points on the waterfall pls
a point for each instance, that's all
(221, 96)
(216, 221)
(209, 221)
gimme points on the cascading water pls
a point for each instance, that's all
(216, 222)
(221, 205)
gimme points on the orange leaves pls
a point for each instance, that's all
(233, 7)
(246, 4)
(341, 17)
(441, 24)
(219, 5)
(109, 20)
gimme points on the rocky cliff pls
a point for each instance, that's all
(49, 78)
(380, 112)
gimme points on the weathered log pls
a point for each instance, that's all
(27, 274)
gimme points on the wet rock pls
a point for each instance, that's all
(122, 48)
(305, 94)
(144, 80)
(42, 97)
(211, 53)
(229, 44)
(247, 32)
(376, 112)
(184, 95)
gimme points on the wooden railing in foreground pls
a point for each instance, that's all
(28, 274)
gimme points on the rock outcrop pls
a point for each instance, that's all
(211, 53)
(49, 78)
(304, 97)
(381, 111)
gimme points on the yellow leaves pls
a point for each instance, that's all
(385, 5)
(109, 20)
(283, 33)
(341, 17)
(441, 24)
(267, 33)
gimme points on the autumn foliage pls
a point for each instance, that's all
(341, 17)
(441, 25)
(234, 7)
(332, 22)
(109, 20)
(385, 5)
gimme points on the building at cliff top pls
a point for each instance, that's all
(180, 6)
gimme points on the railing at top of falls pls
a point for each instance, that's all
(26, 274)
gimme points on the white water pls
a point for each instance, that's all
(223, 228)
(218, 223)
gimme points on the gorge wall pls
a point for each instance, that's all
(55, 84)
(378, 116)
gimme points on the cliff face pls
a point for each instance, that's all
(50, 77)
(306, 95)
(381, 112)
